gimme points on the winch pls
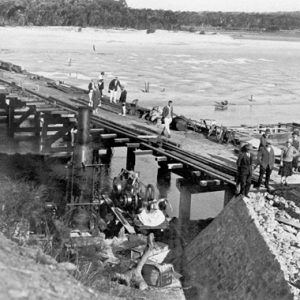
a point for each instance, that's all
(130, 193)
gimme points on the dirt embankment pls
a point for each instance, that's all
(26, 273)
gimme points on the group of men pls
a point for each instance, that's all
(95, 92)
(266, 161)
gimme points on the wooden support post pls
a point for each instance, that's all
(130, 159)
(45, 123)
(11, 117)
(229, 193)
(163, 180)
(37, 122)
(185, 202)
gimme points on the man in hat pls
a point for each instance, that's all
(263, 139)
(113, 89)
(296, 145)
(266, 160)
(244, 168)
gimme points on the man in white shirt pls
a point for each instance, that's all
(167, 115)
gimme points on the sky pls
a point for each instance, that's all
(218, 5)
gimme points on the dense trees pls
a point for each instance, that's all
(114, 13)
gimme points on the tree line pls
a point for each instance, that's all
(116, 13)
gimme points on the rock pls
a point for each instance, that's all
(17, 294)
(44, 259)
(289, 229)
(298, 237)
(67, 266)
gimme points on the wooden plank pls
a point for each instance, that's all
(108, 135)
(45, 108)
(161, 158)
(24, 116)
(34, 103)
(210, 182)
(122, 140)
(175, 166)
(143, 152)
(147, 137)
(59, 112)
(96, 130)
(63, 131)
(288, 222)
(133, 145)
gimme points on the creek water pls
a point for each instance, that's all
(193, 70)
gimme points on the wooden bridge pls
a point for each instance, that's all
(36, 107)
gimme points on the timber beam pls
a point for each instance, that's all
(121, 140)
(96, 130)
(143, 152)
(195, 188)
(24, 116)
(172, 166)
(108, 135)
(133, 145)
(59, 134)
(161, 158)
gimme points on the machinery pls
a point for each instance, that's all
(129, 193)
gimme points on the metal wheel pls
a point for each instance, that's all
(117, 185)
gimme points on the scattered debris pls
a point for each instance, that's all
(278, 220)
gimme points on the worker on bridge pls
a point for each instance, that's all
(167, 115)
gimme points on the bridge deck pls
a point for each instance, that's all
(192, 148)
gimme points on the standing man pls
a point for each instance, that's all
(123, 100)
(263, 139)
(266, 160)
(167, 115)
(296, 145)
(91, 87)
(101, 85)
(113, 89)
(244, 168)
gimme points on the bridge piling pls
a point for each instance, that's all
(130, 159)
(11, 117)
(82, 156)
